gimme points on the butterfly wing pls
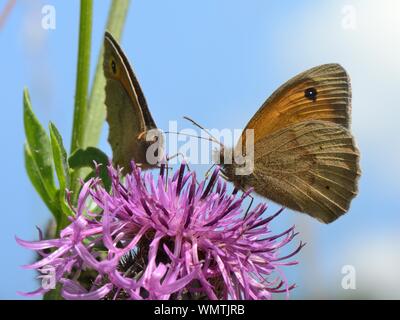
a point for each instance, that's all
(311, 167)
(321, 93)
(128, 115)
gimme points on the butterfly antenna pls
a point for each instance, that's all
(190, 135)
(205, 130)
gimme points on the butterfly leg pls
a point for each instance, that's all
(248, 208)
(183, 158)
(223, 176)
(209, 170)
(168, 167)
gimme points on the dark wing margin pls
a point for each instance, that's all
(149, 121)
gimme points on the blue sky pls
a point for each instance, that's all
(217, 61)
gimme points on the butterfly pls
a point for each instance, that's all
(305, 157)
(128, 115)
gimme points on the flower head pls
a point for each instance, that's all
(165, 238)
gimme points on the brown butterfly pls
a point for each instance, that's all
(128, 115)
(305, 157)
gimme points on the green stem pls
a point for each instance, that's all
(82, 81)
(83, 70)
(96, 111)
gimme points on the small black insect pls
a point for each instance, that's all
(311, 94)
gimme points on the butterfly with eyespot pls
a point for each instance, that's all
(305, 157)
(128, 115)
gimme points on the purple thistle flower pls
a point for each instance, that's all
(165, 238)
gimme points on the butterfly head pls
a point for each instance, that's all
(231, 167)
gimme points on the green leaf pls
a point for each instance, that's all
(96, 112)
(82, 158)
(85, 159)
(60, 158)
(39, 147)
(62, 170)
(66, 209)
(38, 183)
